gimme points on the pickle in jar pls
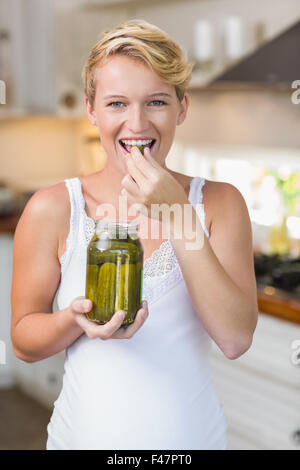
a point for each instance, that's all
(91, 286)
(106, 292)
(126, 290)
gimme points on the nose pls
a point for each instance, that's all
(137, 121)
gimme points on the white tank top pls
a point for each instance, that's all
(153, 391)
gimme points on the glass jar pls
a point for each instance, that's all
(114, 271)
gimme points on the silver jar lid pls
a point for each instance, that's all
(112, 226)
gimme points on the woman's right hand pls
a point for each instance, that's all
(113, 329)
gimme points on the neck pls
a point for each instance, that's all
(111, 183)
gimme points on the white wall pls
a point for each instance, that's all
(242, 118)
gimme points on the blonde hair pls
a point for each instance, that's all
(144, 42)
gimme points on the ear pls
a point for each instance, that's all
(184, 105)
(90, 112)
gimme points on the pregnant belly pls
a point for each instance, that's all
(133, 402)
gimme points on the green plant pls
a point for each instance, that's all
(290, 190)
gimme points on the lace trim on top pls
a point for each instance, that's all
(161, 261)
(89, 227)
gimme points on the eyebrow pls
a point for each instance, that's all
(152, 95)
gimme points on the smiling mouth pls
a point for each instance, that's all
(140, 144)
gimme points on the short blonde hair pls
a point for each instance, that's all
(144, 42)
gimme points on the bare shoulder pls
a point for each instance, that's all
(222, 200)
(49, 209)
(218, 196)
(52, 202)
(213, 190)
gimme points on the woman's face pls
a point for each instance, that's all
(132, 103)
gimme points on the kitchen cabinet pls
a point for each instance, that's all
(41, 380)
(260, 391)
(26, 56)
(7, 370)
(46, 47)
(11, 58)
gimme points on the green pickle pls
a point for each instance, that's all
(92, 281)
(105, 298)
(126, 293)
(141, 148)
(114, 271)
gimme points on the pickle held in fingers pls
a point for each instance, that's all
(140, 144)
(114, 271)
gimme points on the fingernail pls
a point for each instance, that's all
(121, 314)
(86, 304)
(145, 314)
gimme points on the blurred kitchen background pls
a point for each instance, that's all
(243, 127)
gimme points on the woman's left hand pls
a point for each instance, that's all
(148, 183)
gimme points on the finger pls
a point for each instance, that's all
(130, 330)
(144, 165)
(108, 329)
(135, 172)
(85, 323)
(81, 305)
(131, 202)
(150, 159)
(130, 185)
(94, 330)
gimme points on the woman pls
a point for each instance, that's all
(155, 390)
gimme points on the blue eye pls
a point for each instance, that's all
(115, 104)
(161, 103)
